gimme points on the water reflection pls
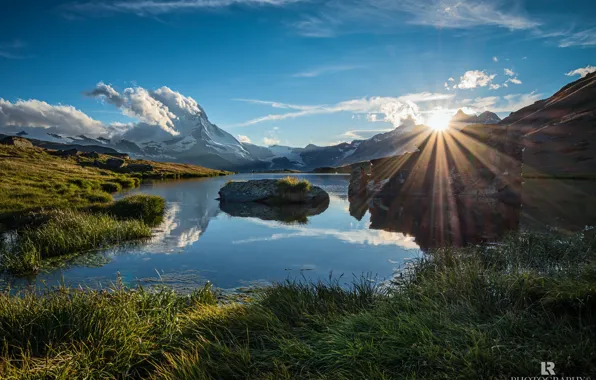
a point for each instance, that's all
(290, 213)
(198, 242)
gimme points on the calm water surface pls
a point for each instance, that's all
(198, 241)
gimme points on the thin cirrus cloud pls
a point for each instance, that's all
(392, 109)
(582, 71)
(325, 70)
(507, 103)
(12, 50)
(159, 7)
(341, 17)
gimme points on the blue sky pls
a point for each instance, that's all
(285, 71)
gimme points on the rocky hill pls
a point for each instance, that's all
(559, 133)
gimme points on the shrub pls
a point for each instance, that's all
(111, 187)
(148, 208)
(292, 184)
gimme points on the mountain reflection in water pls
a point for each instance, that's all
(198, 242)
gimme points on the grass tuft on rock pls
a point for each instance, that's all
(293, 185)
(492, 311)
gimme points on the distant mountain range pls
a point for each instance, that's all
(560, 120)
(210, 146)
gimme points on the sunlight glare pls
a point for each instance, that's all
(439, 121)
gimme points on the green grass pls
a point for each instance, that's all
(479, 312)
(148, 208)
(33, 180)
(292, 184)
(64, 233)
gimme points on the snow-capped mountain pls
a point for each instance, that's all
(461, 119)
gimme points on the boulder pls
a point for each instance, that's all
(359, 179)
(268, 191)
(114, 163)
(16, 141)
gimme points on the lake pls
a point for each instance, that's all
(199, 242)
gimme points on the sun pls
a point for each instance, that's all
(439, 121)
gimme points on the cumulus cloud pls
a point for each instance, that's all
(36, 114)
(243, 139)
(158, 115)
(495, 59)
(270, 141)
(475, 78)
(494, 86)
(582, 71)
(509, 72)
(161, 113)
(390, 109)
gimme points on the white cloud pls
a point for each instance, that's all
(243, 139)
(161, 113)
(495, 59)
(451, 79)
(12, 50)
(582, 71)
(494, 86)
(513, 80)
(270, 141)
(159, 7)
(394, 110)
(584, 38)
(352, 16)
(507, 103)
(324, 70)
(509, 72)
(361, 134)
(372, 117)
(475, 78)
(61, 119)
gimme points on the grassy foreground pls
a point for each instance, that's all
(482, 312)
(60, 233)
